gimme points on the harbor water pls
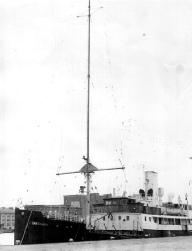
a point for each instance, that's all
(161, 244)
(6, 239)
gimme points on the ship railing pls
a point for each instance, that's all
(74, 218)
(67, 217)
(52, 216)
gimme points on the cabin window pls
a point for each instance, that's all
(123, 202)
(149, 218)
(160, 221)
(171, 221)
(127, 217)
(145, 218)
(114, 202)
(119, 217)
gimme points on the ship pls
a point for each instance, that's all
(33, 227)
(142, 215)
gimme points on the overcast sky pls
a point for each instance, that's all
(141, 105)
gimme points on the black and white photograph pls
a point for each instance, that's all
(96, 125)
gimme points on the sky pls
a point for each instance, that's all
(141, 106)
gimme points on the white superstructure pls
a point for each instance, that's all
(144, 214)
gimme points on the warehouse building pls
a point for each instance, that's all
(7, 218)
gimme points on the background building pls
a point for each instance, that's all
(73, 205)
(78, 202)
(7, 218)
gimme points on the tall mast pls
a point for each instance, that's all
(88, 169)
(88, 218)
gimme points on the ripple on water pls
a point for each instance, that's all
(157, 244)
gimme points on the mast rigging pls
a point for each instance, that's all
(88, 169)
(88, 221)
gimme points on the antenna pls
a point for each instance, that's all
(88, 220)
(88, 169)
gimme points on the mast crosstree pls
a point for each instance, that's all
(88, 169)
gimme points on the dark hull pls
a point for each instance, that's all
(34, 228)
(148, 233)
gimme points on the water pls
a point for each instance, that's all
(6, 239)
(160, 244)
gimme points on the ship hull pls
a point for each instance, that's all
(31, 227)
(149, 233)
(146, 233)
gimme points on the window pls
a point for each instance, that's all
(127, 217)
(145, 218)
(123, 202)
(104, 218)
(3, 217)
(119, 217)
(149, 218)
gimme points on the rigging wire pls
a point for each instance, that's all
(112, 86)
(92, 13)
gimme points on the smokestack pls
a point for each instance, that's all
(170, 197)
(114, 192)
(160, 194)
